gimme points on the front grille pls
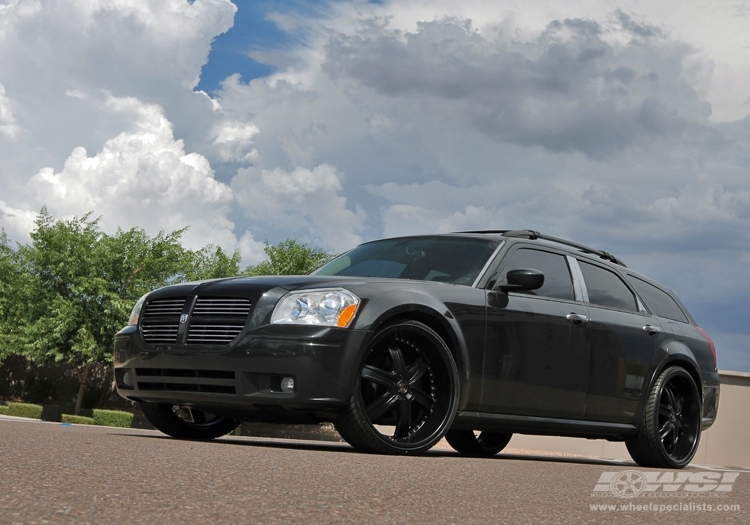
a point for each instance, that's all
(211, 307)
(217, 320)
(161, 320)
(213, 334)
(186, 380)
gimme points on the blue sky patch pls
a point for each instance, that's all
(253, 30)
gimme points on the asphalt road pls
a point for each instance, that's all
(53, 473)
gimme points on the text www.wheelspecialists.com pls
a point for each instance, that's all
(664, 507)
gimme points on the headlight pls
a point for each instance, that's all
(136, 313)
(335, 307)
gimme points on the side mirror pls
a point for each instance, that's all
(522, 279)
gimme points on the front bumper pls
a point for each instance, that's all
(245, 377)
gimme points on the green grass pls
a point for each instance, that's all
(25, 410)
(3, 410)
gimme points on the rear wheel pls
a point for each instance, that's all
(671, 426)
(187, 423)
(483, 444)
(406, 392)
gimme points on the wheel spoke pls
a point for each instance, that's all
(404, 419)
(422, 398)
(399, 366)
(664, 411)
(381, 377)
(417, 370)
(679, 403)
(381, 405)
(675, 439)
(670, 397)
(665, 430)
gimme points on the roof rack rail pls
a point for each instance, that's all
(532, 234)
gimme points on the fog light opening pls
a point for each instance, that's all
(287, 385)
(127, 380)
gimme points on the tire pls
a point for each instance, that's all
(670, 431)
(185, 423)
(485, 444)
(405, 395)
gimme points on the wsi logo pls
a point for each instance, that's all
(632, 483)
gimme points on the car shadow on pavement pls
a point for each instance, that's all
(330, 446)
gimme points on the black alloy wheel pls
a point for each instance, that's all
(482, 444)
(406, 393)
(671, 427)
(187, 423)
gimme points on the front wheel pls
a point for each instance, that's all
(406, 392)
(186, 423)
(484, 444)
(671, 427)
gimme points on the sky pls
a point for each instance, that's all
(623, 125)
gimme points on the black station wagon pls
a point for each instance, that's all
(400, 342)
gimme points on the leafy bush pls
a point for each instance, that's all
(112, 418)
(3, 410)
(77, 420)
(25, 410)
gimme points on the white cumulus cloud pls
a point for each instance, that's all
(8, 127)
(302, 199)
(141, 177)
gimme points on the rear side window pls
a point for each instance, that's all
(658, 301)
(605, 288)
(557, 281)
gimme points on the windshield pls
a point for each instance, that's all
(455, 260)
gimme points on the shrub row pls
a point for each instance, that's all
(25, 410)
(77, 420)
(112, 418)
(108, 418)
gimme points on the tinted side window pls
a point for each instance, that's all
(658, 301)
(605, 288)
(557, 281)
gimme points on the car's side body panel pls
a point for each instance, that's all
(536, 360)
(621, 354)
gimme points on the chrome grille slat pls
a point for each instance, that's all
(161, 320)
(221, 307)
(217, 320)
(212, 328)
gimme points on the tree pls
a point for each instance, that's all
(80, 285)
(289, 258)
(213, 263)
(12, 282)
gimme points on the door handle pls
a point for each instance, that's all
(577, 318)
(651, 330)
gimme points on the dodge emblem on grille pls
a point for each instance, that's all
(183, 318)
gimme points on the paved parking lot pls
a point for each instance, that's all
(53, 473)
